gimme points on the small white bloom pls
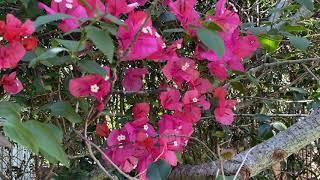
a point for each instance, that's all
(185, 66)
(145, 30)
(121, 137)
(58, 1)
(145, 127)
(179, 46)
(69, 6)
(195, 99)
(94, 88)
(107, 78)
(164, 45)
(175, 143)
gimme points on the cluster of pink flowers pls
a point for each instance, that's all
(138, 143)
(91, 9)
(15, 40)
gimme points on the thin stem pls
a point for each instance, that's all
(282, 62)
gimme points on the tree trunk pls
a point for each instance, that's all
(261, 156)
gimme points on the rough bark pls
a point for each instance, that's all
(263, 155)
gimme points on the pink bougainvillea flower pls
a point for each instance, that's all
(169, 122)
(170, 100)
(228, 20)
(186, 14)
(118, 7)
(70, 7)
(181, 70)
(135, 127)
(30, 43)
(91, 85)
(201, 85)
(147, 41)
(140, 2)
(190, 113)
(11, 84)
(16, 30)
(237, 48)
(133, 79)
(140, 110)
(223, 112)
(246, 45)
(94, 7)
(218, 69)
(195, 98)
(2, 27)
(167, 53)
(124, 158)
(102, 129)
(11, 55)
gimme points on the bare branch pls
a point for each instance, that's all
(282, 62)
(263, 155)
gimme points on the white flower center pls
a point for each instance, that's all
(147, 30)
(144, 30)
(185, 66)
(107, 78)
(175, 143)
(58, 1)
(121, 137)
(94, 88)
(69, 6)
(145, 127)
(179, 46)
(1, 38)
(195, 99)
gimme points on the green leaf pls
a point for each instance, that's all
(102, 40)
(307, 3)
(41, 20)
(73, 46)
(10, 111)
(93, 67)
(279, 126)
(25, 3)
(301, 43)
(51, 53)
(294, 28)
(19, 134)
(65, 110)
(212, 26)
(56, 61)
(115, 20)
(159, 170)
(265, 131)
(46, 138)
(270, 42)
(211, 40)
